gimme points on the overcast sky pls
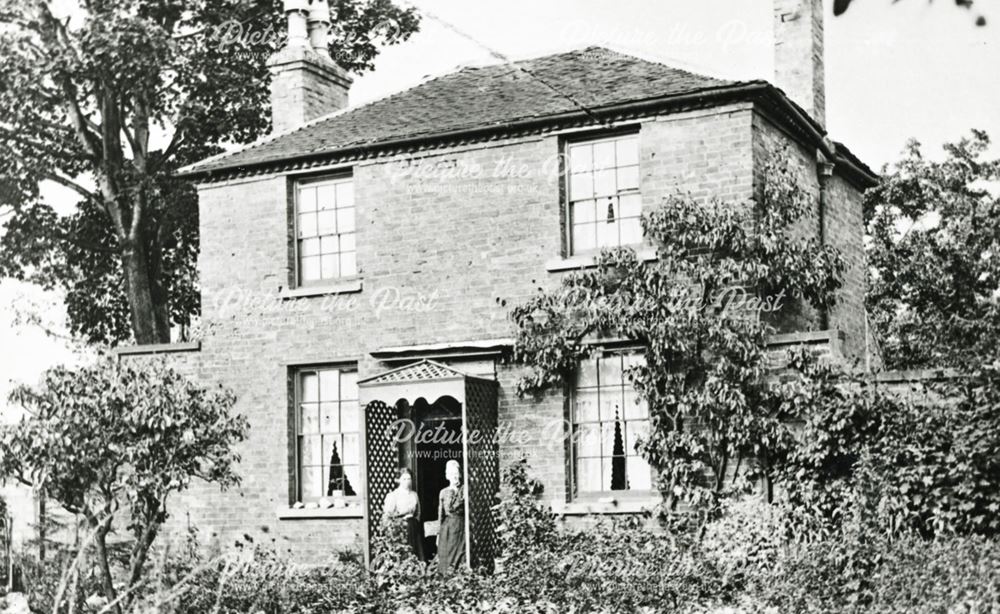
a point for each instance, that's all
(895, 70)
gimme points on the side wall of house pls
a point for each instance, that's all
(840, 223)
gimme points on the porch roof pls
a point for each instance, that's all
(423, 371)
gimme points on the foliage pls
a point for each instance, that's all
(934, 252)
(111, 441)
(748, 561)
(108, 99)
(840, 7)
(927, 462)
(696, 311)
(864, 571)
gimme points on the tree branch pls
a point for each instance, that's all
(79, 189)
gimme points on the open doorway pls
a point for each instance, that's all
(440, 427)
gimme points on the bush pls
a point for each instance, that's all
(931, 465)
(862, 572)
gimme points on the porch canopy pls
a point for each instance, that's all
(383, 396)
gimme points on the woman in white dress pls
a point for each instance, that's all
(401, 513)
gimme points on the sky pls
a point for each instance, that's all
(894, 71)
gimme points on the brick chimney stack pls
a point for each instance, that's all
(798, 54)
(305, 82)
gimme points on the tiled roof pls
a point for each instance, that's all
(479, 97)
(421, 371)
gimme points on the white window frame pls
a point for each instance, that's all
(573, 486)
(331, 181)
(634, 194)
(298, 401)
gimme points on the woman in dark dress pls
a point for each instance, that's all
(401, 513)
(451, 514)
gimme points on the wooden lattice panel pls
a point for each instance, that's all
(380, 461)
(483, 469)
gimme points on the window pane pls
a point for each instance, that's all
(352, 449)
(329, 417)
(331, 266)
(604, 154)
(631, 231)
(627, 151)
(349, 422)
(584, 237)
(630, 205)
(607, 234)
(348, 385)
(634, 431)
(583, 211)
(309, 418)
(581, 186)
(348, 264)
(347, 242)
(325, 197)
(309, 247)
(309, 268)
(310, 452)
(330, 244)
(580, 158)
(635, 404)
(639, 475)
(326, 222)
(307, 225)
(586, 374)
(585, 406)
(345, 194)
(333, 449)
(611, 404)
(587, 438)
(610, 370)
(345, 220)
(628, 178)
(588, 475)
(604, 182)
(607, 475)
(329, 384)
(310, 483)
(310, 387)
(307, 199)
(352, 480)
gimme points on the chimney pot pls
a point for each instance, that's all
(319, 26)
(297, 11)
(305, 82)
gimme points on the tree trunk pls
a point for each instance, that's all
(148, 324)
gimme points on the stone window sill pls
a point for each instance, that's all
(586, 261)
(341, 286)
(351, 511)
(604, 506)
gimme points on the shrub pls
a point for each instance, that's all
(930, 465)
(863, 572)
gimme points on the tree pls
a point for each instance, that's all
(108, 101)
(111, 442)
(713, 408)
(934, 254)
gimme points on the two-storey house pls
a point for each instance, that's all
(358, 266)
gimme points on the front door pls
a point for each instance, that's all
(440, 440)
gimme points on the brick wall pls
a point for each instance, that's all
(465, 241)
(842, 226)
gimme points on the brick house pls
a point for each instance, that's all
(358, 265)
